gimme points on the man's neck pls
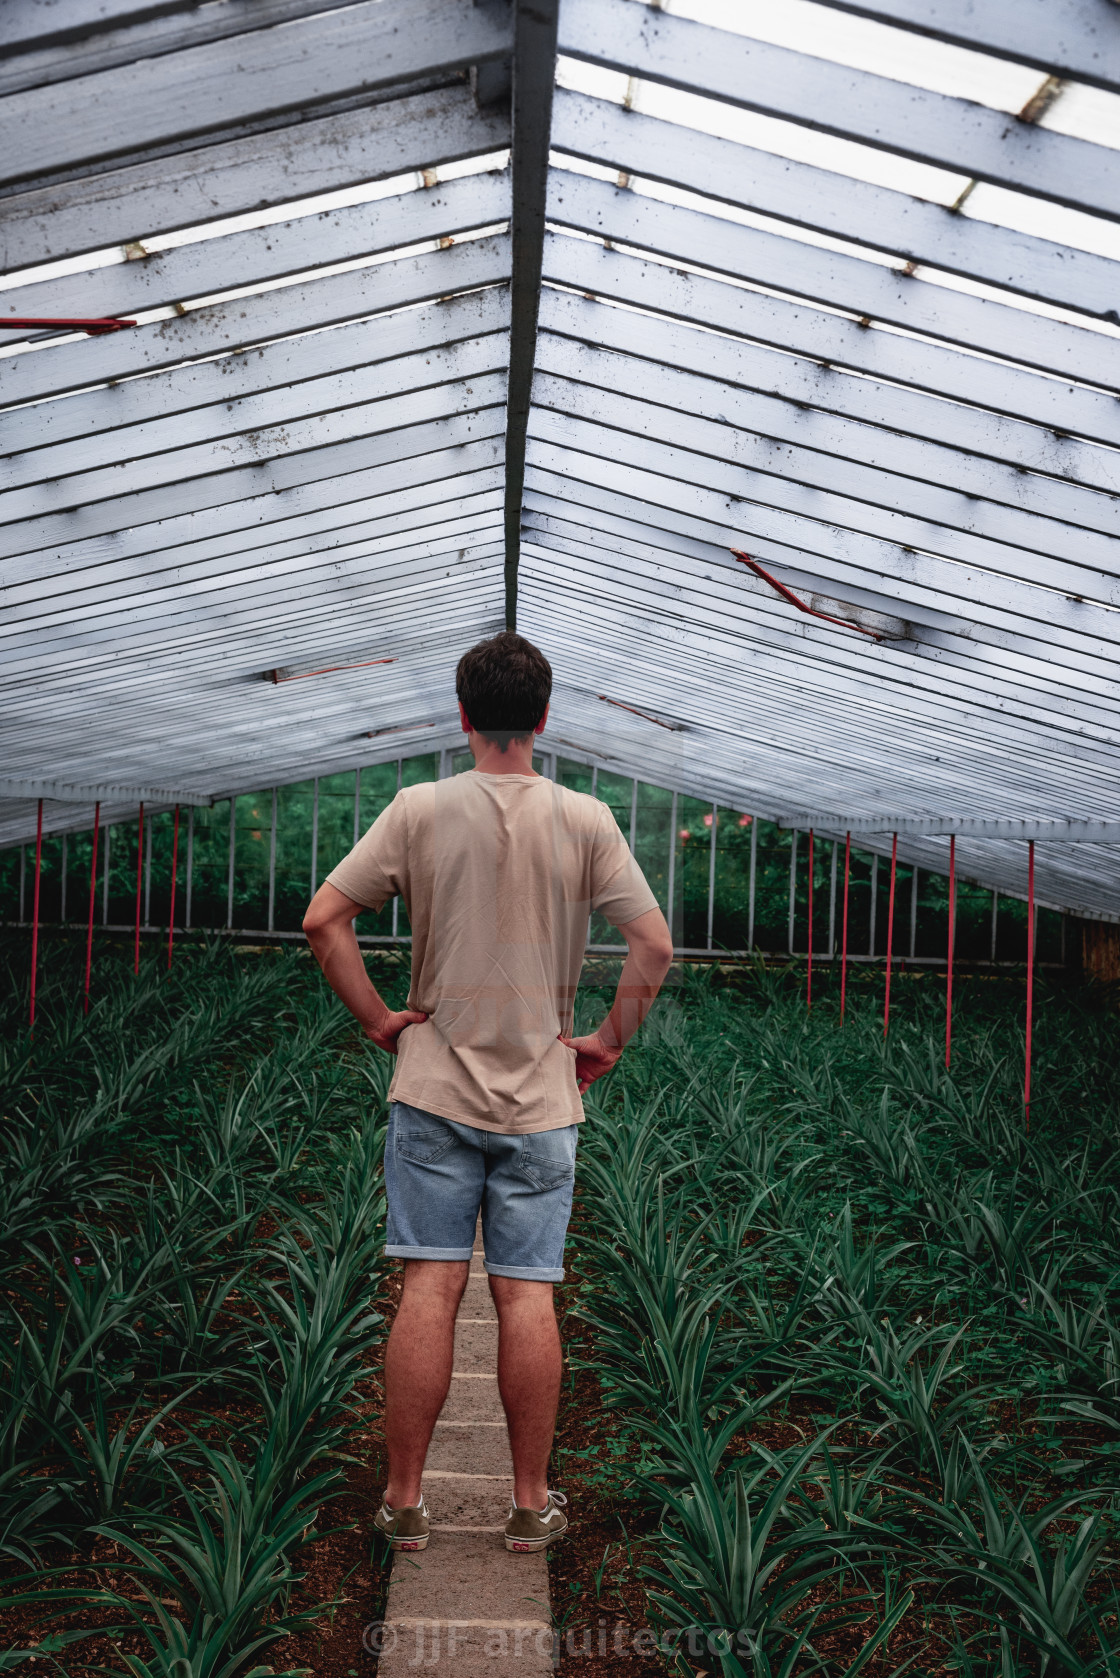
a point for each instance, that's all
(489, 759)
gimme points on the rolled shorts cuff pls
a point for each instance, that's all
(456, 1254)
(521, 1273)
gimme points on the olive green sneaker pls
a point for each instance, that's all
(533, 1529)
(406, 1527)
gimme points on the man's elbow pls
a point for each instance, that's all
(656, 950)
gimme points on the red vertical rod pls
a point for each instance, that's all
(890, 933)
(844, 934)
(174, 868)
(809, 989)
(952, 938)
(92, 895)
(1030, 984)
(35, 912)
(139, 882)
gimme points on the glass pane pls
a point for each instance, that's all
(378, 788)
(294, 805)
(616, 791)
(574, 775)
(161, 838)
(79, 851)
(731, 920)
(1048, 935)
(1011, 930)
(336, 822)
(973, 940)
(122, 873)
(933, 914)
(210, 875)
(9, 884)
(692, 871)
(771, 905)
(822, 888)
(251, 859)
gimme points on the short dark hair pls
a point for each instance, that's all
(504, 686)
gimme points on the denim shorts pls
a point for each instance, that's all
(438, 1174)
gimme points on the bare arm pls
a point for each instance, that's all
(329, 925)
(649, 955)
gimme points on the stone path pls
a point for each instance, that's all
(465, 1605)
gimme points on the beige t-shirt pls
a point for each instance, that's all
(499, 873)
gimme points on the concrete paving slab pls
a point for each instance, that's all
(484, 1449)
(476, 1347)
(456, 1599)
(467, 1500)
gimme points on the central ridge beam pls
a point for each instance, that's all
(534, 75)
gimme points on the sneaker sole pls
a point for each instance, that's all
(525, 1546)
(420, 1543)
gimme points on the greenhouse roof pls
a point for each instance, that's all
(451, 314)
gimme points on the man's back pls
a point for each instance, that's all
(499, 873)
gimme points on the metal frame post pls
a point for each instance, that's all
(315, 838)
(914, 912)
(874, 910)
(951, 942)
(1030, 986)
(809, 975)
(148, 873)
(832, 907)
(753, 876)
(890, 933)
(995, 924)
(396, 900)
(792, 884)
(35, 915)
(105, 877)
(22, 883)
(190, 869)
(671, 884)
(232, 854)
(139, 883)
(712, 877)
(62, 880)
(844, 930)
(92, 902)
(272, 868)
(174, 871)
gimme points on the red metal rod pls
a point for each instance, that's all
(92, 893)
(35, 913)
(809, 991)
(139, 881)
(95, 328)
(952, 939)
(788, 594)
(890, 933)
(1030, 985)
(844, 936)
(174, 868)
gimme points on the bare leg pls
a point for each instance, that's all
(529, 1367)
(418, 1361)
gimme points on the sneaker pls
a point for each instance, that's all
(533, 1529)
(406, 1527)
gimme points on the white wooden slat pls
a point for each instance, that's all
(1067, 38)
(92, 421)
(933, 128)
(851, 749)
(372, 434)
(260, 171)
(247, 596)
(56, 41)
(859, 212)
(242, 632)
(343, 53)
(688, 594)
(806, 331)
(93, 597)
(864, 288)
(1045, 552)
(311, 514)
(1008, 677)
(981, 452)
(184, 445)
(259, 255)
(692, 575)
(339, 529)
(960, 575)
(919, 585)
(248, 322)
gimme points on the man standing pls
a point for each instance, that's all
(499, 869)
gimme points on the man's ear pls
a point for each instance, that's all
(540, 726)
(464, 720)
